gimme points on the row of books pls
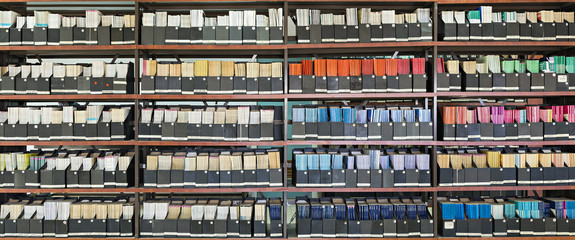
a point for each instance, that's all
(238, 27)
(363, 217)
(212, 77)
(98, 77)
(212, 123)
(212, 217)
(93, 122)
(506, 73)
(67, 217)
(45, 28)
(213, 168)
(351, 168)
(364, 26)
(512, 217)
(361, 123)
(358, 75)
(530, 123)
(485, 25)
(66, 169)
(507, 167)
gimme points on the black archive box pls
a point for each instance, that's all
(463, 33)
(389, 33)
(401, 32)
(222, 35)
(449, 31)
(5, 37)
(475, 32)
(443, 82)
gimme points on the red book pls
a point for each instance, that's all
(367, 66)
(379, 66)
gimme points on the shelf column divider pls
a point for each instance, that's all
(285, 121)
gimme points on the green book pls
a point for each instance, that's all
(520, 67)
(559, 64)
(508, 66)
(533, 66)
(570, 64)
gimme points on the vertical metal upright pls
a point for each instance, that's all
(435, 122)
(285, 119)
(136, 119)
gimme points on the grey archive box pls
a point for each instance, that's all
(276, 35)
(5, 37)
(401, 32)
(364, 33)
(80, 35)
(15, 36)
(262, 35)
(303, 34)
(222, 35)
(91, 36)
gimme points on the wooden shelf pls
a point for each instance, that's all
(372, 143)
(343, 96)
(200, 97)
(210, 190)
(503, 143)
(69, 190)
(70, 143)
(502, 188)
(99, 97)
(504, 94)
(407, 189)
(495, 1)
(209, 143)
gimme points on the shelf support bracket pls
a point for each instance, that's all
(114, 59)
(177, 58)
(533, 55)
(60, 147)
(481, 102)
(453, 55)
(504, 102)
(39, 58)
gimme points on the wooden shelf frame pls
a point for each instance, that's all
(286, 51)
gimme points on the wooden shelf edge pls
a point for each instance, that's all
(68, 47)
(209, 190)
(505, 94)
(409, 189)
(321, 142)
(503, 143)
(208, 143)
(56, 97)
(71, 143)
(69, 190)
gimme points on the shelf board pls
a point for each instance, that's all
(69, 190)
(213, 97)
(209, 190)
(408, 189)
(503, 143)
(209, 143)
(327, 142)
(504, 94)
(70, 143)
(502, 188)
(325, 96)
(99, 97)
(493, 1)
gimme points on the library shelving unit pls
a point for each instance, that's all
(137, 52)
